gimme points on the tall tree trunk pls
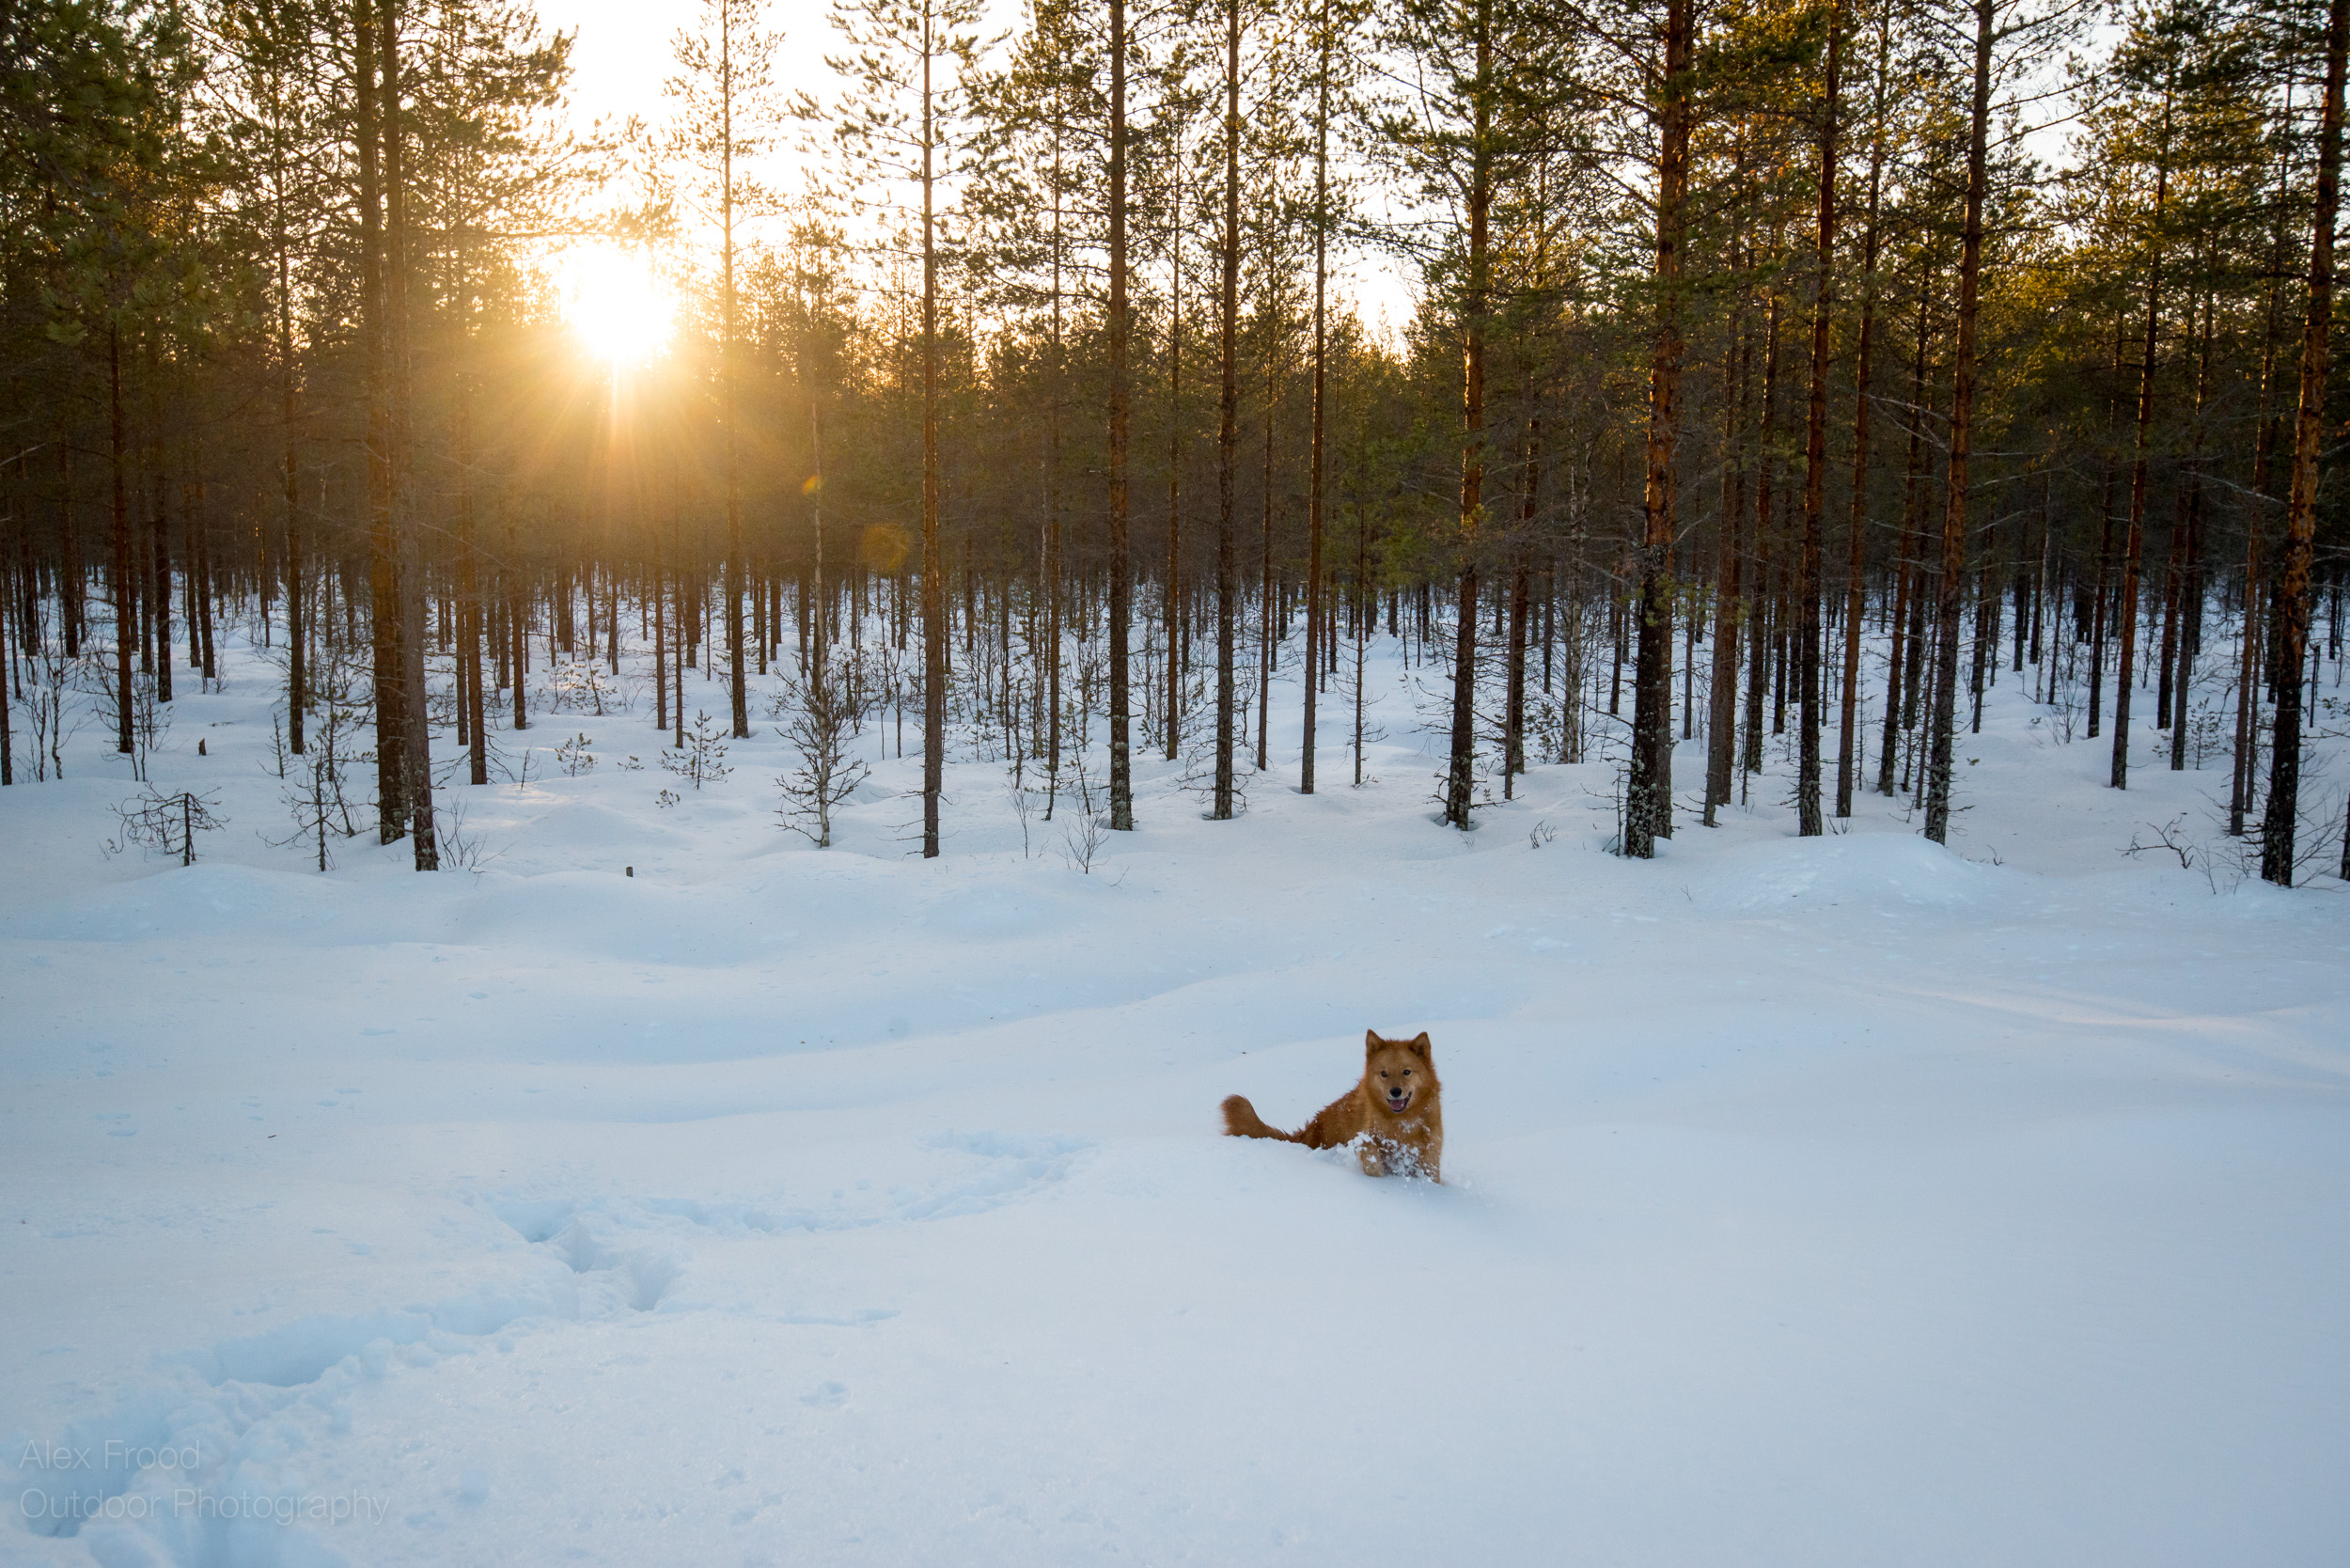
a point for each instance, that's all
(1266, 601)
(71, 590)
(1052, 508)
(738, 691)
(297, 651)
(201, 566)
(518, 649)
(1950, 590)
(125, 587)
(1849, 739)
(1228, 422)
(1122, 756)
(660, 633)
(1807, 815)
(1513, 706)
(2173, 575)
(188, 528)
(934, 557)
(2134, 541)
(391, 749)
(407, 573)
(1366, 621)
(1987, 649)
(2278, 827)
(2185, 617)
(159, 613)
(1647, 799)
(1461, 771)
(1721, 740)
(469, 549)
(1759, 574)
(1314, 644)
(1171, 598)
(2245, 772)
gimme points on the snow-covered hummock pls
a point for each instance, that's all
(1849, 1202)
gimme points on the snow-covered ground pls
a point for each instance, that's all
(1842, 1202)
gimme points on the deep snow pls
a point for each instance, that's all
(1843, 1201)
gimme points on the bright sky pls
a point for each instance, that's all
(622, 55)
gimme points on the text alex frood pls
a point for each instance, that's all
(111, 1455)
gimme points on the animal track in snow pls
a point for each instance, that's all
(965, 1173)
(619, 1257)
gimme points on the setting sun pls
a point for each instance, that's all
(614, 303)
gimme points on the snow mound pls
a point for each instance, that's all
(625, 918)
(199, 900)
(1002, 910)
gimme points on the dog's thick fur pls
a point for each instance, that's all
(1397, 1111)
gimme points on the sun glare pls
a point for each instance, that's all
(614, 303)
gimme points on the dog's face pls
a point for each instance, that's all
(1398, 1070)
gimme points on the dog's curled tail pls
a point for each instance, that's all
(1242, 1121)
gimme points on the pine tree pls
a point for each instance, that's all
(903, 124)
(1807, 815)
(725, 89)
(2279, 827)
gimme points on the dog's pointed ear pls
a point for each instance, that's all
(1419, 1045)
(1372, 1042)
